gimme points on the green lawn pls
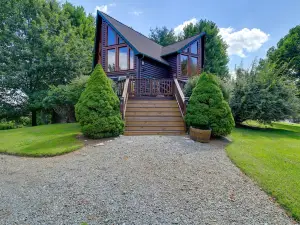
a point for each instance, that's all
(47, 140)
(271, 156)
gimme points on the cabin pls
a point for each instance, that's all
(150, 78)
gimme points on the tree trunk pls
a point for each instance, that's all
(33, 118)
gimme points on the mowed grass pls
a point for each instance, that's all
(46, 140)
(271, 156)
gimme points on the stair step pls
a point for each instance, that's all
(138, 133)
(172, 113)
(147, 128)
(154, 123)
(149, 109)
(154, 118)
(151, 101)
(152, 105)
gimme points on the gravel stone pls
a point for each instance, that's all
(134, 180)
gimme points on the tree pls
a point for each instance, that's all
(262, 94)
(98, 109)
(163, 36)
(207, 107)
(41, 46)
(216, 58)
(287, 54)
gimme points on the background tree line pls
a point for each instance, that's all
(42, 43)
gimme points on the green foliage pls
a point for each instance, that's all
(287, 54)
(216, 58)
(207, 107)
(98, 109)
(163, 36)
(43, 43)
(262, 94)
(4, 125)
(192, 82)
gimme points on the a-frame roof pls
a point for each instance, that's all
(143, 45)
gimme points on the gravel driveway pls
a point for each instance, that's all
(133, 180)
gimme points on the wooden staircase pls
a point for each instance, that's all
(153, 117)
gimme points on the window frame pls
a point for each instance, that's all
(187, 52)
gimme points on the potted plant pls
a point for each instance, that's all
(207, 112)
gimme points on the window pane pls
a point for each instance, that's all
(123, 60)
(131, 60)
(184, 61)
(194, 48)
(121, 41)
(186, 50)
(111, 36)
(194, 65)
(111, 60)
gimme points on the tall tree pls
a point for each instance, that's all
(216, 58)
(163, 36)
(287, 54)
(41, 45)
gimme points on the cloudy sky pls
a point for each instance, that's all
(250, 27)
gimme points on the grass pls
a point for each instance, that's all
(41, 141)
(271, 156)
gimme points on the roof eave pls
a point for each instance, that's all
(119, 33)
(180, 50)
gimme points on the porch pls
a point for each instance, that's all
(152, 106)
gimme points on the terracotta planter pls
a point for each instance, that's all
(200, 135)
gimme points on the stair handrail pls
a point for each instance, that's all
(124, 98)
(180, 98)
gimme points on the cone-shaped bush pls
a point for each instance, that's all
(98, 108)
(207, 107)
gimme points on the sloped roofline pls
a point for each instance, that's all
(136, 52)
(197, 37)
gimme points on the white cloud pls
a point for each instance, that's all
(244, 40)
(104, 8)
(136, 13)
(239, 42)
(180, 27)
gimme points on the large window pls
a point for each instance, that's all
(193, 65)
(111, 60)
(123, 58)
(131, 59)
(184, 64)
(111, 36)
(194, 48)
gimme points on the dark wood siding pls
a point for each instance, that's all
(172, 60)
(153, 69)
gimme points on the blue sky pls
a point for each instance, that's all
(250, 27)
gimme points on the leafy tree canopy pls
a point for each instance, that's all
(43, 43)
(163, 36)
(262, 94)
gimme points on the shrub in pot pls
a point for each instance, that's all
(98, 108)
(207, 111)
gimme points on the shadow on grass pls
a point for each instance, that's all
(282, 130)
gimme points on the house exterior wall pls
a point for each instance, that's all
(172, 60)
(152, 69)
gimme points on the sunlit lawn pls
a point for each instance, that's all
(47, 140)
(271, 156)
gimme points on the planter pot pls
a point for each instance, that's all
(200, 135)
